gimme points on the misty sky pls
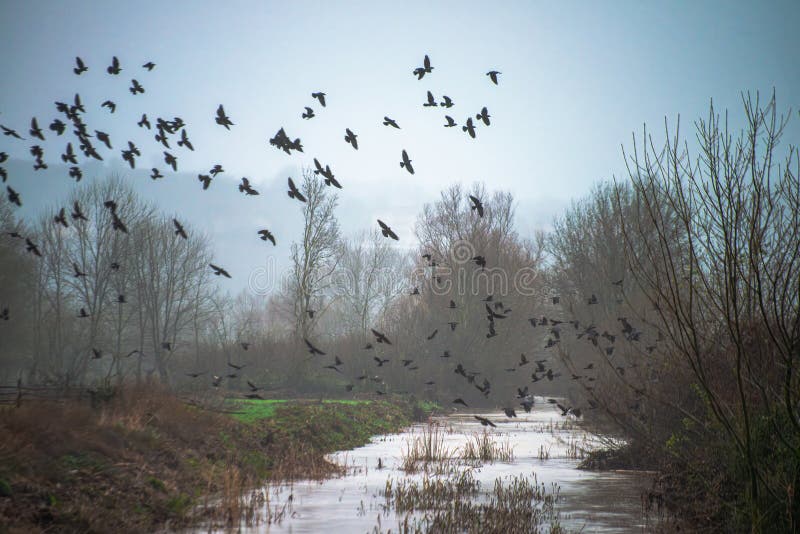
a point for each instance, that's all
(577, 79)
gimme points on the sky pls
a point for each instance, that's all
(578, 79)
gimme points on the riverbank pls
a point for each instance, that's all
(146, 460)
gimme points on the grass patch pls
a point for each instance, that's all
(144, 459)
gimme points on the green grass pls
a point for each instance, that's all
(251, 410)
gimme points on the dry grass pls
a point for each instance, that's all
(482, 447)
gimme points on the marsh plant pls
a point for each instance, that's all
(456, 504)
(481, 446)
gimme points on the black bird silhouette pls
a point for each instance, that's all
(135, 87)
(319, 96)
(523, 360)
(149, 65)
(426, 68)
(431, 101)
(156, 174)
(433, 334)
(216, 380)
(31, 247)
(480, 261)
(77, 105)
(96, 353)
(13, 196)
(81, 67)
(117, 224)
(460, 401)
(161, 137)
(446, 354)
(166, 345)
(483, 421)
(452, 305)
(266, 235)
(144, 122)
(69, 155)
(35, 131)
(104, 138)
(171, 160)
(453, 325)
(527, 404)
(351, 138)
(58, 127)
(390, 122)
(450, 122)
(77, 273)
(448, 102)
(415, 291)
(386, 231)
(556, 300)
(406, 163)
(179, 230)
(215, 170)
(510, 412)
(10, 132)
(312, 349)
(82, 314)
(379, 337)
(477, 205)
(112, 107)
(205, 180)
(492, 315)
(222, 119)
(219, 270)
(184, 140)
(245, 345)
(469, 128)
(121, 299)
(379, 361)
(245, 187)
(61, 218)
(293, 192)
(618, 282)
(237, 367)
(492, 74)
(77, 214)
(592, 299)
(4, 314)
(114, 68)
(484, 116)
(308, 114)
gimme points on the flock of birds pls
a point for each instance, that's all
(91, 142)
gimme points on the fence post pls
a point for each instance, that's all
(19, 392)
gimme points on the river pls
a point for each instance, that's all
(543, 442)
